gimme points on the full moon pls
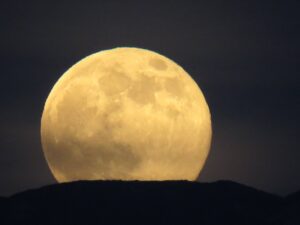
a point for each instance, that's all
(126, 114)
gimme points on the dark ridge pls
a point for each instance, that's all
(290, 214)
(142, 203)
(294, 197)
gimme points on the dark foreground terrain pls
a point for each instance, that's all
(155, 203)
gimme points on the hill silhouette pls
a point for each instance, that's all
(148, 202)
(290, 214)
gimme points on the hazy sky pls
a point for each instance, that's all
(243, 54)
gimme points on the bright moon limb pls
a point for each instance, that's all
(126, 114)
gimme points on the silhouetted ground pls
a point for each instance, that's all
(290, 214)
(142, 203)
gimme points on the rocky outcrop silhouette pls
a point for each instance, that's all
(147, 202)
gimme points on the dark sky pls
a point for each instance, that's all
(243, 54)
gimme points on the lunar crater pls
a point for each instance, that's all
(143, 90)
(158, 64)
(114, 83)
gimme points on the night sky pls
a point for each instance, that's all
(243, 54)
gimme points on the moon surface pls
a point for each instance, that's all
(126, 114)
